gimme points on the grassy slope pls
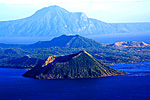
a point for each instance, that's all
(80, 65)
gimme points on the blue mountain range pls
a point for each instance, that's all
(55, 21)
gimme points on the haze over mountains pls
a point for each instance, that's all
(71, 41)
(74, 41)
(27, 56)
(54, 21)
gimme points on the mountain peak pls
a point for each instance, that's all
(70, 41)
(79, 65)
(84, 52)
(50, 11)
(54, 7)
(55, 20)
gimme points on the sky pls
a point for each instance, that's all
(110, 11)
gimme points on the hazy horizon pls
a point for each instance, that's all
(110, 11)
(102, 38)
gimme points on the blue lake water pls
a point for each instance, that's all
(134, 86)
(119, 37)
(102, 38)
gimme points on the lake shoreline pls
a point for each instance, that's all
(10, 67)
(120, 87)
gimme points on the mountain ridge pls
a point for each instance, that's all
(68, 41)
(54, 21)
(79, 65)
(124, 52)
(74, 41)
(129, 44)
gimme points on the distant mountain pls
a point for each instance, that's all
(129, 44)
(71, 41)
(74, 41)
(79, 65)
(54, 21)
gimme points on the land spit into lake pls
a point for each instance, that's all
(79, 65)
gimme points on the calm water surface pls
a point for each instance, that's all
(135, 86)
(102, 38)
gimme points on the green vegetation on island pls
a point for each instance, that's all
(79, 65)
(27, 56)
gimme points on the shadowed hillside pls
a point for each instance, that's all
(72, 41)
(79, 65)
(120, 52)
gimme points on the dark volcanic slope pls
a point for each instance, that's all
(55, 20)
(72, 41)
(80, 65)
